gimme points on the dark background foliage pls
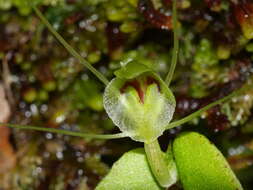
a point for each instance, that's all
(43, 85)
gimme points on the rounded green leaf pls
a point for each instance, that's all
(130, 172)
(201, 166)
(141, 107)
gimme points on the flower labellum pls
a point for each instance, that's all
(141, 106)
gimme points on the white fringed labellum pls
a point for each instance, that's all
(142, 106)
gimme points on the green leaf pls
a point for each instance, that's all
(201, 166)
(130, 172)
(131, 70)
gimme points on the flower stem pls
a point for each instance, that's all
(160, 164)
(69, 48)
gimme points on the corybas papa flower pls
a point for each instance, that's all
(139, 103)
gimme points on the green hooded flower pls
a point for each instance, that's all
(139, 103)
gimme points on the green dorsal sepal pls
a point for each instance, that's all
(201, 166)
(132, 70)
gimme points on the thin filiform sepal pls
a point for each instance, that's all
(68, 47)
(65, 132)
(176, 44)
(200, 111)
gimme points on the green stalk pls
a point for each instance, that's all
(159, 164)
(65, 132)
(176, 45)
(71, 50)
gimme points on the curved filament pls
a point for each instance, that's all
(200, 111)
(176, 45)
(65, 132)
(71, 50)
